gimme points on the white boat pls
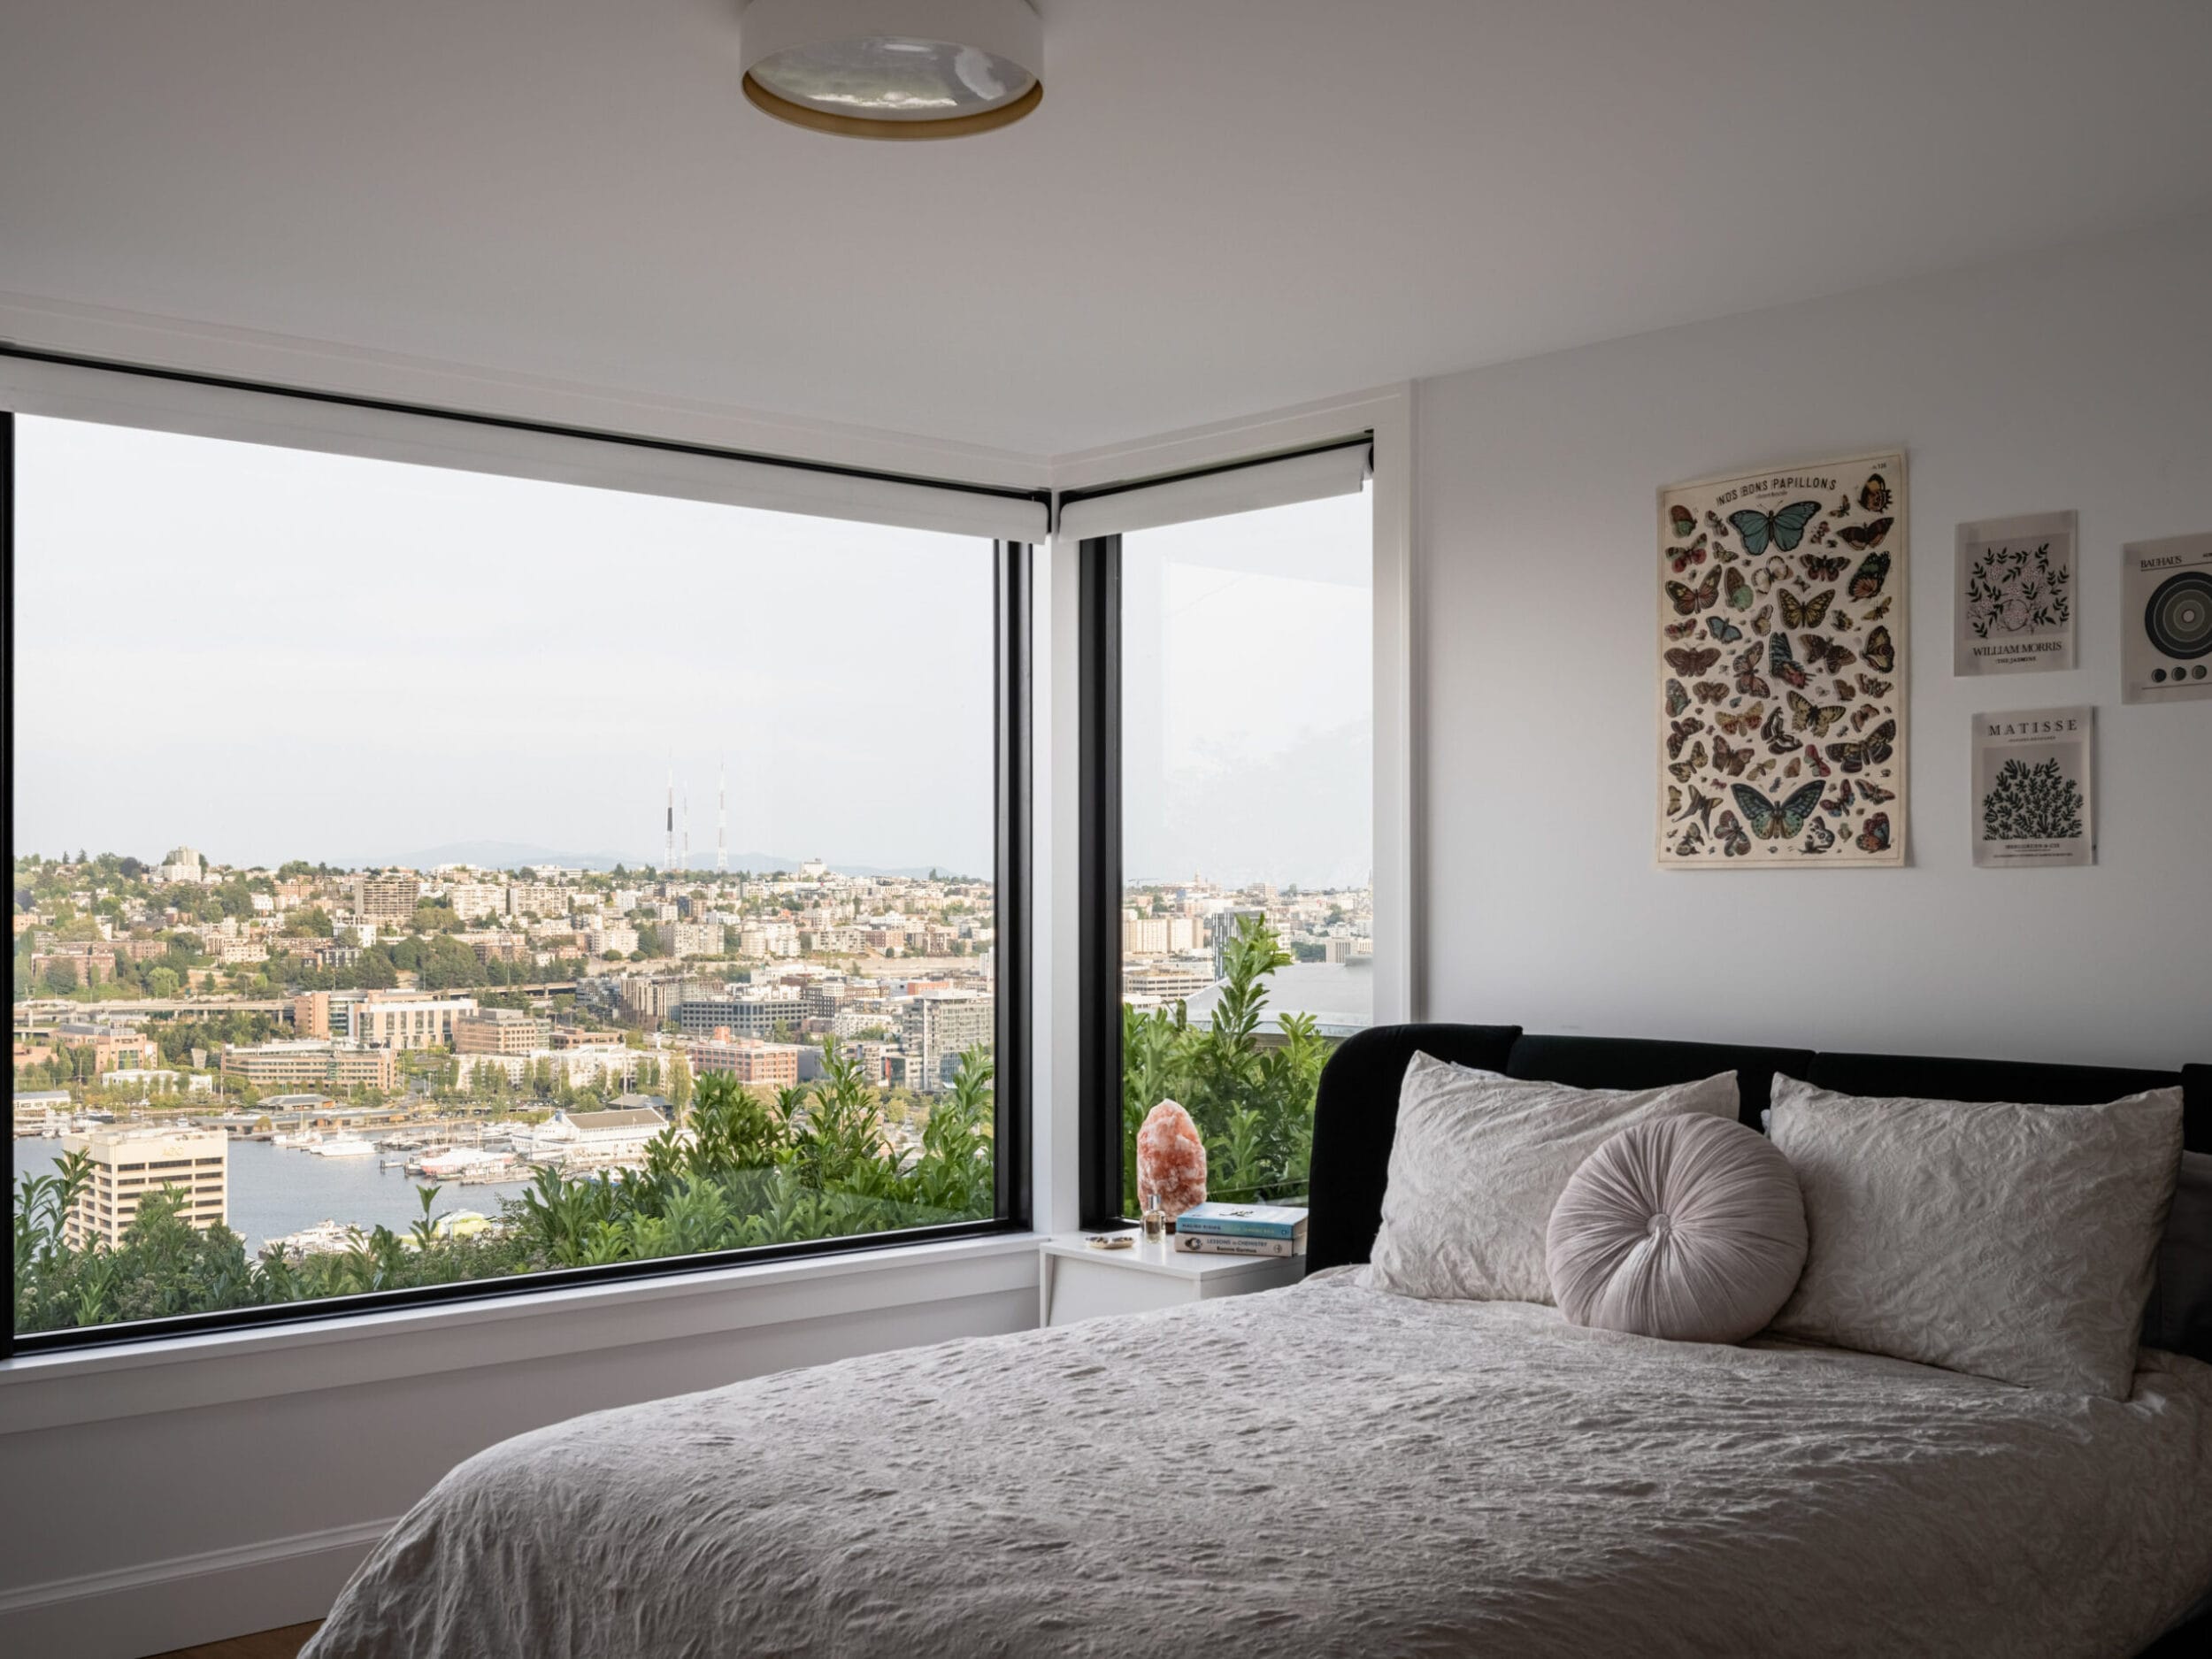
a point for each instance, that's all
(463, 1162)
(304, 1139)
(325, 1238)
(344, 1150)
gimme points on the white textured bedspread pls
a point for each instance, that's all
(1326, 1470)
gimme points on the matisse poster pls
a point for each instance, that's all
(2013, 595)
(1781, 668)
(2034, 777)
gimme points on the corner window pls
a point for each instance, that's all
(1229, 882)
(490, 881)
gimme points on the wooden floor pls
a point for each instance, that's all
(268, 1644)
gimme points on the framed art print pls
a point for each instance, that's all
(2166, 620)
(2035, 789)
(2013, 598)
(1781, 667)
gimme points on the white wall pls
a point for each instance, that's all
(232, 1484)
(2081, 379)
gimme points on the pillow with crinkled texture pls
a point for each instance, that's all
(1480, 1161)
(2005, 1240)
(1688, 1228)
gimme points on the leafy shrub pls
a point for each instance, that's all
(1251, 1095)
(817, 1163)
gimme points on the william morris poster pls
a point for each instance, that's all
(2034, 773)
(1781, 668)
(2013, 594)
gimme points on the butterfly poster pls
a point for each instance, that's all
(2035, 789)
(1780, 650)
(2013, 598)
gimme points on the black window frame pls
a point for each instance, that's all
(1012, 898)
(1100, 1150)
(1098, 657)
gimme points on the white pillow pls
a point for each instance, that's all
(1478, 1165)
(2006, 1240)
(1688, 1228)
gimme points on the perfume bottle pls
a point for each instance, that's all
(1155, 1217)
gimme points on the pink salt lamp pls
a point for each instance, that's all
(1170, 1161)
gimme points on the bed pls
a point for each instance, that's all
(1329, 1469)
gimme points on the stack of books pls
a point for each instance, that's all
(1242, 1230)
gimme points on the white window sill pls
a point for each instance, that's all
(44, 1391)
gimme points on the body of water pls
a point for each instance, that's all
(1340, 995)
(276, 1190)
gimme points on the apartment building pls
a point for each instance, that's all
(334, 1065)
(694, 939)
(1158, 935)
(494, 945)
(537, 898)
(937, 1026)
(472, 901)
(182, 864)
(113, 1043)
(128, 1163)
(500, 1030)
(741, 1016)
(386, 900)
(768, 939)
(655, 997)
(747, 1059)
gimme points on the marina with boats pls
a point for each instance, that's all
(310, 1175)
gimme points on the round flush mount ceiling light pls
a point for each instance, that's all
(894, 68)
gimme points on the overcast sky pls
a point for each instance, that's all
(270, 654)
(1248, 698)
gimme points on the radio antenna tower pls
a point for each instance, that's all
(721, 819)
(686, 865)
(668, 861)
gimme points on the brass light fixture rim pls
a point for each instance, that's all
(859, 127)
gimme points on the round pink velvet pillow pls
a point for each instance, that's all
(1690, 1228)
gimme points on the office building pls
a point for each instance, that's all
(409, 1019)
(335, 1065)
(500, 1030)
(129, 1165)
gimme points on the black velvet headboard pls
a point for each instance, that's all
(1355, 1115)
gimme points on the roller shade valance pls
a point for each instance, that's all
(1334, 469)
(35, 385)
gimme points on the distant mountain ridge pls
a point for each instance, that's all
(487, 854)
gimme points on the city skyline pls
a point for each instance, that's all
(268, 653)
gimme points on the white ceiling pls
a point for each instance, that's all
(1222, 206)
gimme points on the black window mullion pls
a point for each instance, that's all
(1099, 658)
(1009, 922)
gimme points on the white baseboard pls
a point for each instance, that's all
(155, 1606)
